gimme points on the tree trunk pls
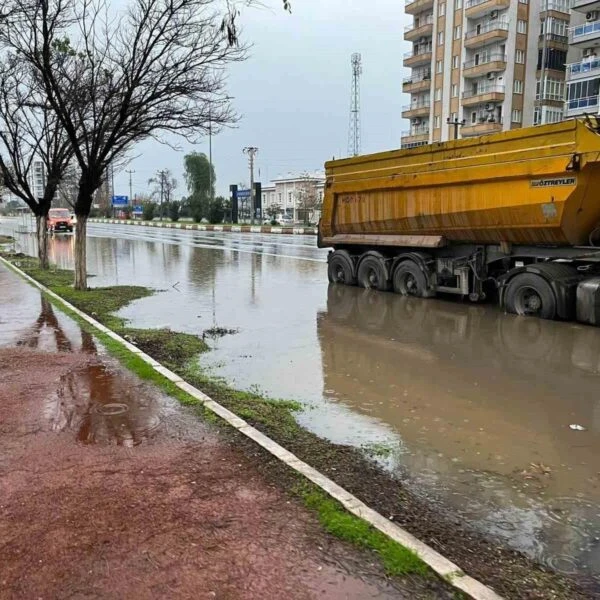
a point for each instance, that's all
(80, 253)
(41, 227)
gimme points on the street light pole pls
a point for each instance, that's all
(131, 172)
(251, 151)
(456, 124)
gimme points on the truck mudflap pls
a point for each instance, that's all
(562, 277)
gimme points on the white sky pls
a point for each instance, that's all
(293, 92)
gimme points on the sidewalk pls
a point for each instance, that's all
(109, 489)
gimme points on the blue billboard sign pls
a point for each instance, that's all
(244, 193)
(120, 200)
(138, 210)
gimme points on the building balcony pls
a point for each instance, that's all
(416, 83)
(418, 109)
(584, 35)
(409, 145)
(488, 64)
(492, 93)
(584, 69)
(413, 33)
(478, 8)
(417, 136)
(554, 40)
(494, 31)
(579, 106)
(414, 59)
(484, 128)
(585, 6)
(556, 8)
(414, 7)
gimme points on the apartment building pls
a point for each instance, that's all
(487, 65)
(583, 74)
(295, 194)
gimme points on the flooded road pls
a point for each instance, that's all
(474, 406)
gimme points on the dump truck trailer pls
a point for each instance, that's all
(514, 215)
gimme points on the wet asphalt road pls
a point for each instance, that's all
(474, 404)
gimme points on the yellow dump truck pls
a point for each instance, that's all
(515, 215)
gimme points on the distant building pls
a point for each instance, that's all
(37, 179)
(298, 196)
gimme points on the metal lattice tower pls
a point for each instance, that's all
(354, 128)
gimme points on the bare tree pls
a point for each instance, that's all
(307, 198)
(157, 69)
(30, 135)
(164, 185)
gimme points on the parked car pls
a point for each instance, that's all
(59, 219)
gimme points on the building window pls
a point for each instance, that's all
(455, 61)
(442, 9)
(518, 86)
(473, 118)
(440, 38)
(521, 26)
(583, 94)
(524, 1)
(457, 4)
(517, 116)
(553, 89)
(438, 94)
(537, 116)
(520, 57)
(438, 66)
(454, 90)
(280, 195)
(555, 59)
(436, 122)
(457, 32)
(454, 117)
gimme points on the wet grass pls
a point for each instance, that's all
(396, 559)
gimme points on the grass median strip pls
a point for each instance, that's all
(179, 352)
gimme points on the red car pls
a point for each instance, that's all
(59, 219)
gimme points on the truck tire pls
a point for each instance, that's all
(340, 268)
(531, 295)
(409, 280)
(372, 272)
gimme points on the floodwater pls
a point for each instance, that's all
(476, 406)
(96, 400)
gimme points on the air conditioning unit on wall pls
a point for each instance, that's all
(591, 16)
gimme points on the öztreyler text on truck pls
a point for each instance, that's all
(514, 216)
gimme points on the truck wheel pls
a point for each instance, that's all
(409, 280)
(531, 295)
(340, 268)
(372, 272)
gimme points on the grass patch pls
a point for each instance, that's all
(396, 559)
(178, 352)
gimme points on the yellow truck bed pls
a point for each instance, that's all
(537, 185)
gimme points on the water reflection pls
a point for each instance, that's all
(483, 402)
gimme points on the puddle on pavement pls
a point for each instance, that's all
(103, 405)
(476, 404)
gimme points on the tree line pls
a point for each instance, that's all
(83, 81)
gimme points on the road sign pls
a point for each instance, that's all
(120, 200)
(244, 193)
(138, 210)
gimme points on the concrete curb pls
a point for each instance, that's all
(438, 563)
(219, 228)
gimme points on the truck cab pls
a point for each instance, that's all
(59, 220)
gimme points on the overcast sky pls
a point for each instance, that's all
(293, 92)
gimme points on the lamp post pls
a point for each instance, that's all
(456, 124)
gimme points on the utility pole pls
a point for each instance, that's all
(162, 188)
(210, 169)
(456, 124)
(251, 151)
(130, 186)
